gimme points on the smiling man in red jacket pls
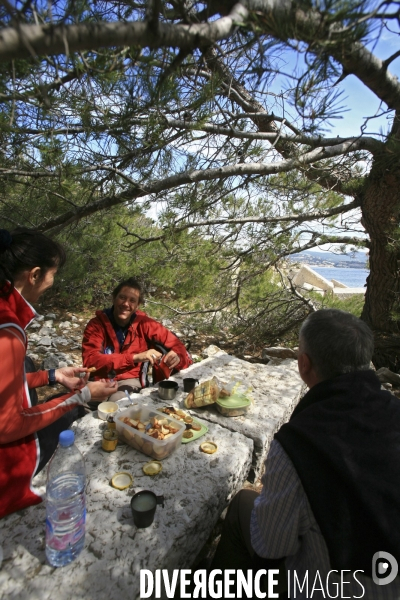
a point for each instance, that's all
(121, 341)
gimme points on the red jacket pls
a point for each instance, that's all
(19, 447)
(142, 334)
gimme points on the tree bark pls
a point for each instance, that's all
(380, 217)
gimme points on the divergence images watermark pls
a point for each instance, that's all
(384, 568)
(262, 583)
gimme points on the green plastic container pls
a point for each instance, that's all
(233, 406)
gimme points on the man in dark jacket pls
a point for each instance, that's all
(121, 342)
(330, 504)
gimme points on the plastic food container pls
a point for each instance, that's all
(233, 406)
(143, 442)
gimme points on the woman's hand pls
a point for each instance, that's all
(73, 378)
(152, 356)
(99, 390)
(171, 359)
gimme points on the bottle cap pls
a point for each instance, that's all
(66, 438)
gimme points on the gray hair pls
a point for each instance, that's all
(337, 342)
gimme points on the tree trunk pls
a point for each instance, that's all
(380, 217)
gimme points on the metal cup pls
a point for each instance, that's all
(167, 389)
(143, 506)
(189, 383)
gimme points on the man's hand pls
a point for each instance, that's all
(171, 359)
(73, 378)
(99, 390)
(152, 356)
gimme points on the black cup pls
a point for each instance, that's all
(143, 506)
(189, 383)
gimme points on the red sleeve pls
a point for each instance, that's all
(17, 421)
(93, 351)
(37, 379)
(155, 332)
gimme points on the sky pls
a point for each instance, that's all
(359, 101)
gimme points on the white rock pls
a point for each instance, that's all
(62, 364)
(35, 325)
(65, 325)
(279, 352)
(60, 340)
(73, 318)
(212, 350)
(51, 316)
(34, 337)
(45, 341)
(75, 324)
(48, 323)
(47, 331)
(33, 356)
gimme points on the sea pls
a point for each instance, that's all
(350, 277)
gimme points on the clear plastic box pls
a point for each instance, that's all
(143, 442)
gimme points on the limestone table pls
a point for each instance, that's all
(277, 388)
(196, 487)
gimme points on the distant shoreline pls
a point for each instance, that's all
(329, 260)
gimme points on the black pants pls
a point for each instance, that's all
(48, 436)
(234, 550)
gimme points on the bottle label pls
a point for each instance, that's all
(62, 541)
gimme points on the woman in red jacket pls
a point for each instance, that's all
(28, 262)
(121, 341)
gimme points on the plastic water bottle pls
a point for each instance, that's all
(65, 503)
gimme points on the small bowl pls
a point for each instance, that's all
(107, 409)
(167, 390)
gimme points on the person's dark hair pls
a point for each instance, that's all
(132, 282)
(337, 342)
(24, 249)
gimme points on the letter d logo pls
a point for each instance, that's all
(384, 568)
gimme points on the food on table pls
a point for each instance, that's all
(180, 415)
(159, 429)
(149, 431)
(122, 480)
(110, 440)
(188, 434)
(153, 467)
(204, 394)
(208, 447)
(224, 393)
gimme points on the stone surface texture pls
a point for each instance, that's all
(196, 487)
(277, 388)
